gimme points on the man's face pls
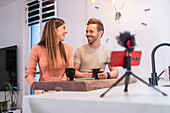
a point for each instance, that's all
(91, 33)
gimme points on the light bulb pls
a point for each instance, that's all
(93, 1)
(113, 1)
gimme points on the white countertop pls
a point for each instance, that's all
(139, 99)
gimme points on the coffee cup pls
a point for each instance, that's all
(95, 72)
(70, 72)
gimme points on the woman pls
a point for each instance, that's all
(51, 54)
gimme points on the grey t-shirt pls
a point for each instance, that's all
(89, 57)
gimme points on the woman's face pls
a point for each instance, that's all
(61, 31)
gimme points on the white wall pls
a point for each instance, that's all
(12, 32)
(76, 13)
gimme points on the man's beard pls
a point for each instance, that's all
(94, 39)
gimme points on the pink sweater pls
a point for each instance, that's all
(39, 54)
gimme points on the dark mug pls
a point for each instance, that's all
(95, 72)
(70, 72)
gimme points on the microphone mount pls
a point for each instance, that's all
(154, 79)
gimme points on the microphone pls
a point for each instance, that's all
(127, 40)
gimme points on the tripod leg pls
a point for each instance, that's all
(127, 81)
(149, 85)
(102, 95)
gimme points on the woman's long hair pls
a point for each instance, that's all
(49, 41)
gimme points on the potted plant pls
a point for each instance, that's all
(4, 104)
(14, 91)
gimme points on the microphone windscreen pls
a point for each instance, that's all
(124, 37)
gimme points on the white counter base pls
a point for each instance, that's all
(139, 99)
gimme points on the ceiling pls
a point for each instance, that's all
(6, 2)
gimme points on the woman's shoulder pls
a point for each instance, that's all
(37, 47)
(68, 46)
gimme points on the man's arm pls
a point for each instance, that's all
(114, 72)
(77, 60)
(79, 74)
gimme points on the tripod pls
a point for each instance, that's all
(127, 77)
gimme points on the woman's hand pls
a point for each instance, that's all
(38, 92)
(64, 77)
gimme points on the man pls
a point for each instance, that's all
(93, 54)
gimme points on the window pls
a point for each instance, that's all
(39, 12)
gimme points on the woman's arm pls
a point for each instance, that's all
(31, 69)
(70, 56)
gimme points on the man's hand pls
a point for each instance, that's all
(89, 73)
(102, 74)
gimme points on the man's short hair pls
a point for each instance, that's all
(100, 26)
